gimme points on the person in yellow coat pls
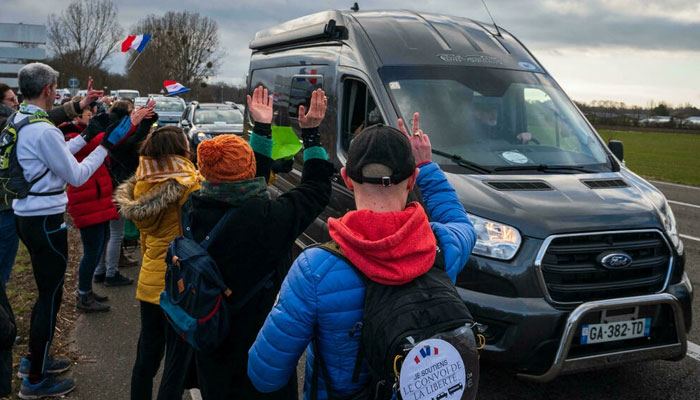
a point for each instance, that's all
(152, 199)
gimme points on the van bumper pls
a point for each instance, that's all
(532, 336)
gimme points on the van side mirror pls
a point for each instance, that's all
(617, 149)
(185, 123)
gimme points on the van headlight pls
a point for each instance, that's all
(669, 221)
(494, 239)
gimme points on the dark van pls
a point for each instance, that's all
(578, 263)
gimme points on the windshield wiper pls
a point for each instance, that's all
(545, 168)
(457, 159)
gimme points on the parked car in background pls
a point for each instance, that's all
(140, 101)
(202, 121)
(578, 263)
(127, 94)
(169, 109)
(60, 95)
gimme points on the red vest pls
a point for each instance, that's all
(91, 203)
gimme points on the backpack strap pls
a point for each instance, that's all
(33, 118)
(187, 228)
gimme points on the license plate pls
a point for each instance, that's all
(620, 330)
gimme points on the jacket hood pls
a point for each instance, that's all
(390, 248)
(150, 204)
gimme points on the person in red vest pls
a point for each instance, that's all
(91, 207)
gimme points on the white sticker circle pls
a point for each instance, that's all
(432, 370)
(515, 157)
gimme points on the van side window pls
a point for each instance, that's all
(359, 110)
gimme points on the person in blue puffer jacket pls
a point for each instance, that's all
(390, 242)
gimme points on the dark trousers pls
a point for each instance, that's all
(94, 238)
(155, 333)
(46, 239)
(8, 331)
(9, 242)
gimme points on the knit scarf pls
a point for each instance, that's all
(178, 168)
(236, 193)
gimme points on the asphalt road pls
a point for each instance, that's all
(107, 344)
(648, 380)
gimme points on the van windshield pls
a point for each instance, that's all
(503, 120)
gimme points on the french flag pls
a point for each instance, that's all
(136, 42)
(174, 88)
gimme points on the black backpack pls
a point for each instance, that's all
(12, 182)
(409, 324)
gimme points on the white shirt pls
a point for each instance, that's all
(41, 146)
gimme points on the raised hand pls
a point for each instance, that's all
(151, 103)
(90, 96)
(420, 143)
(260, 105)
(140, 114)
(317, 110)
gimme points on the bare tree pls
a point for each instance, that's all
(184, 47)
(87, 32)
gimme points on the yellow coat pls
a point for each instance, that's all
(154, 207)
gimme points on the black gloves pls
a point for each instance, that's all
(97, 124)
(263, 129)
(310, 137)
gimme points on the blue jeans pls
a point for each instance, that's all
(94, 239)
(9, 241)
(114, 247)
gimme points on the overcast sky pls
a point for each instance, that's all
(624, 50)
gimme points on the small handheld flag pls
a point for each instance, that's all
(136, 42)
(174, 88)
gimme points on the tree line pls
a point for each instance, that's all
(184, 47)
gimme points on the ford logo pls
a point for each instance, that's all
(615, 260)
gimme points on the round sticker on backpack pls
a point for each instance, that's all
(433, 370)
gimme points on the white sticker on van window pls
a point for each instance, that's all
(433, 370)
(515, 157)
(394, 85)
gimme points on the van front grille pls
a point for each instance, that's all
(573, 273)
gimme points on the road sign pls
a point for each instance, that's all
(73, 83)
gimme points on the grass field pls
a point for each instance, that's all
(672, 157)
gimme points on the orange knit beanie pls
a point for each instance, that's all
(225, 158)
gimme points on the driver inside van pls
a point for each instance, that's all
(487, 128)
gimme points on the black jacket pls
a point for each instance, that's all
(256, 240)
(124, 159)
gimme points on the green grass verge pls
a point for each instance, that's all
(672, 157)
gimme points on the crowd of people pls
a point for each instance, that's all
(106, 163)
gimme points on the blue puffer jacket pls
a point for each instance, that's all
(322, 297)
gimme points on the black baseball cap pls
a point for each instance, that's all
(380, 144)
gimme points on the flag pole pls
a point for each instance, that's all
(132, 63)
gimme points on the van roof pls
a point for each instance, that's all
(403, 37)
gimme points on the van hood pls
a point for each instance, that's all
(569, 207)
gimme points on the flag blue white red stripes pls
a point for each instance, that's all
(174, 87)
(136, 42)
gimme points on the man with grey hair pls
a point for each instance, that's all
(47, 163)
